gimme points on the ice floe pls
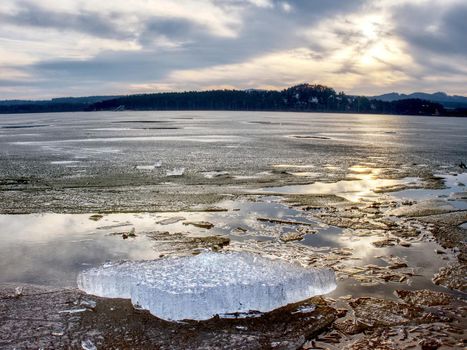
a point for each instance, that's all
(202, 286)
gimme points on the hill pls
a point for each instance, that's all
(303, 98)
(446, 100)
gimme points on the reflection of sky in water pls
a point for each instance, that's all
(51, 248)
(453, 183)
(363, 181)
(352, 190)
(420, 255)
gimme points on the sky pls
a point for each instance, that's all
(51, 48)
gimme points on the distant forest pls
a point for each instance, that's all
(300, 98)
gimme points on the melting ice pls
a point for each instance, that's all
(200, 287)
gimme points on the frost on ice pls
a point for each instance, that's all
(200, 287)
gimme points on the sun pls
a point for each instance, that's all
(378, 48)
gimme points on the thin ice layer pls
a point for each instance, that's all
(200, 287)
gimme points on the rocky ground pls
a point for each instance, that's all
(35, 317)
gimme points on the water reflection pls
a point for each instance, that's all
(363, 180)
(420, 256)
(455, 192)
(50, 248)
(352, 190)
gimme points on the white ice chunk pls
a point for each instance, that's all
(145, 167)
(176, 172)
(170, 221)
(213, 174)
(202, 286)
(157, 164)
(88, 345)
(64, 162)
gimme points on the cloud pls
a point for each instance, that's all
(87, 22)
(434, 33)
(119, 18)
(192, 46)
(94, 47)
(437, 28)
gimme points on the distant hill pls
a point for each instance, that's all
(299, 98)
(59, 100)
(446, 100)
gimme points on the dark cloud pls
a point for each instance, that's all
(179, 29)
(435, 35)
(11, 82)
(433, 28)
(263, 30)
(95, 24)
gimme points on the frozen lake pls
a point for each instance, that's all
(125, 159)
(241, 143)
(152, 172)
(379, 202)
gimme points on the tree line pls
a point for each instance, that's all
(300, 98)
